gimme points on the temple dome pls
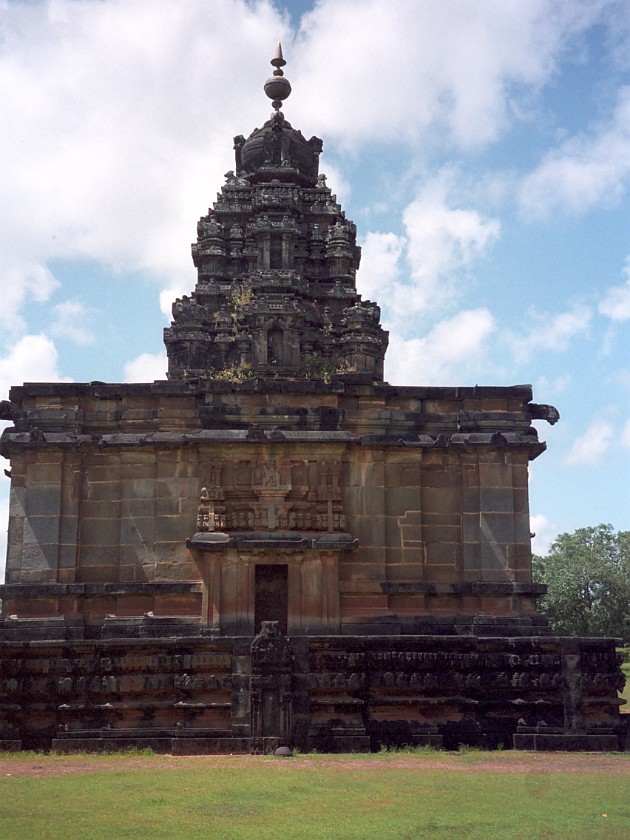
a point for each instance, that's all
(277, 150)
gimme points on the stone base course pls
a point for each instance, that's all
(191, 694)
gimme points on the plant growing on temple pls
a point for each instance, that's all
(587, 574)
(240, 297)
(232, 373)
(321, 367)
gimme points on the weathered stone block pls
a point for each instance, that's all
(496, 500)
(497, 527)
(137, 529)
(98, 572)
(100, 531)
(95, 555)
(40, 557)
(44, 501)
(40, 529)
(104, 490)
(443, 554)
(38, 474)
(174, 528)
(403, 475)
(402, 499)
(434, 534)
(496, 474)
(442, 519)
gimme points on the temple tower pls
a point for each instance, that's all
(276, 262)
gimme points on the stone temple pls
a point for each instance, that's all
(273, 546)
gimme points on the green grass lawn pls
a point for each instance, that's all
(341, 797)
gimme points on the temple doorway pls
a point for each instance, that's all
(271, 602)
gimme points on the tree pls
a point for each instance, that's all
(588, 578)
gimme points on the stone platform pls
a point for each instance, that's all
(193, 694)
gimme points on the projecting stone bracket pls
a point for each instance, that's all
(544, 412)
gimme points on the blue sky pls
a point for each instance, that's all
(482, 148)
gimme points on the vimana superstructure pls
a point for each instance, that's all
(276, 260)
(273, 546)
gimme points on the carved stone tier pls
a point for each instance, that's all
(276, 261)
(144, 684)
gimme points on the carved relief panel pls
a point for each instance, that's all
(276, 495)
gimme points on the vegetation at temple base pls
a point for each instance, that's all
(398, 796)
(588, 578)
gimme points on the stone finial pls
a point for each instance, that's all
(277, 87)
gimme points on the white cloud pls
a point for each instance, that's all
(616, 302)
(589, 448)
(439, 246)
(545, 533)
(119, 114)
(584, 171)
(402, 72)
(625, 435)
(32, 359)
(69, 322)
(442, 240)
(113, 152)
(380, 265)
(549, 332)
(555, 386)
(452, 352)
(147, 367)
(20, 281)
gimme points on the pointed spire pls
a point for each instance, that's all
(277, 87)
(278, 60)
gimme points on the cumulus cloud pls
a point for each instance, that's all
(452, 352)
(556, 386)
(20, 281)
(112, 154)
(616, 302)
(549, 332)
(422, 270)
(441, 241)
(544, 532)
(589, 448)
(31, 359)
(146, 367)
(457, 67)
(70, 319)
(584, 171)
(380, 270)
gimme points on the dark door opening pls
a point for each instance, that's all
(271, 601)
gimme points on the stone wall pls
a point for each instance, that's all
(148, 684)
(395, 510)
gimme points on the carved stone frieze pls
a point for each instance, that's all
(272, 496)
